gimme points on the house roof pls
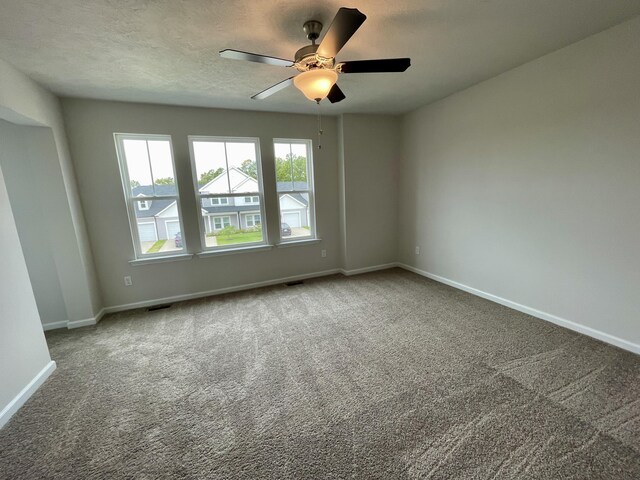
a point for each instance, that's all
(285, 187)
(237, 178)
(156, 205)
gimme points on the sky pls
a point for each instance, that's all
(155, 161)
(142, 165)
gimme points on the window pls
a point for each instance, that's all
(252, 220)
(228, 180)
(294, 182)
(221, 222)
(151, 193)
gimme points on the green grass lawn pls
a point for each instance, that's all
(239, 238)
(156, 246)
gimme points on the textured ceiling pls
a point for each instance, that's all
(166, 51)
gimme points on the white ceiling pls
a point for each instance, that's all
(166, 51)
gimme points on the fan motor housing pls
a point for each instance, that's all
(306, 59)
(306, 53)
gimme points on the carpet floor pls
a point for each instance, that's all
(385, 375)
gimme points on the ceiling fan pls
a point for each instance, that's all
(317, 63)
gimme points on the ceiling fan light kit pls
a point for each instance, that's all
(317, 63)
(315, 84)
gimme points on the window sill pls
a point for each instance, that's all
(299, 243)
(166, 258)
(233, 251)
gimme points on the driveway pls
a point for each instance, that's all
(168, 246)
(300, 232)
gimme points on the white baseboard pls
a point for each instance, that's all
(54, 325)
(20, 399)
(219, 291)
(374, 268)
(74, 323)
(576, 327)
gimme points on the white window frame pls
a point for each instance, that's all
(146, 203)
(310, 191)
(130, 200)
(199, 196)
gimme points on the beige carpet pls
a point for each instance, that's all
(385, 375)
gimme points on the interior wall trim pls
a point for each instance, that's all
(219, 291)
(373, 268)
(576, 327)
(20, 399)
(74, 323)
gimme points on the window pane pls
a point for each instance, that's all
(150, 167)
(137, 161)
(211, 167)
(291, 166)
(224, 167)
(158, 226)
(284, 173)
(162, 167)
(231, 224)
(294, 215)
(299, 160)
(243, 168)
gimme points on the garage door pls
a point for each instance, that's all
(172, 229)
(147, 232)
(292, 219)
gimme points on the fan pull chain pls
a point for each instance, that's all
(319, 126)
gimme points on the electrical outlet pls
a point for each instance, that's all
(323, 253)
(127, 281)
(417, 250)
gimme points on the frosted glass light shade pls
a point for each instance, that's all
(315, 84)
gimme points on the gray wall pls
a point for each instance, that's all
(22, 101)
(23, 350)
(370, 152)
(28, 158)
(527, 186)
(91, 125)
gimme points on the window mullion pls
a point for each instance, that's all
(153, 180)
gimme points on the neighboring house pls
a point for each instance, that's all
(158, 219)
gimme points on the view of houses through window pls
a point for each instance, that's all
(152, 195)
(228, 182)
(228, 185)
(294, 182)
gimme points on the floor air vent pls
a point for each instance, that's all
(158, 307)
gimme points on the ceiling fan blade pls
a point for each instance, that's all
(335, 94)
(375, 66)
(343, 26)
(273, 89)
(254, 57)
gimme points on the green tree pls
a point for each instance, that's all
(250, 168)
(165, 181)
(206, 177)
(134, 183)
(291, 164)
